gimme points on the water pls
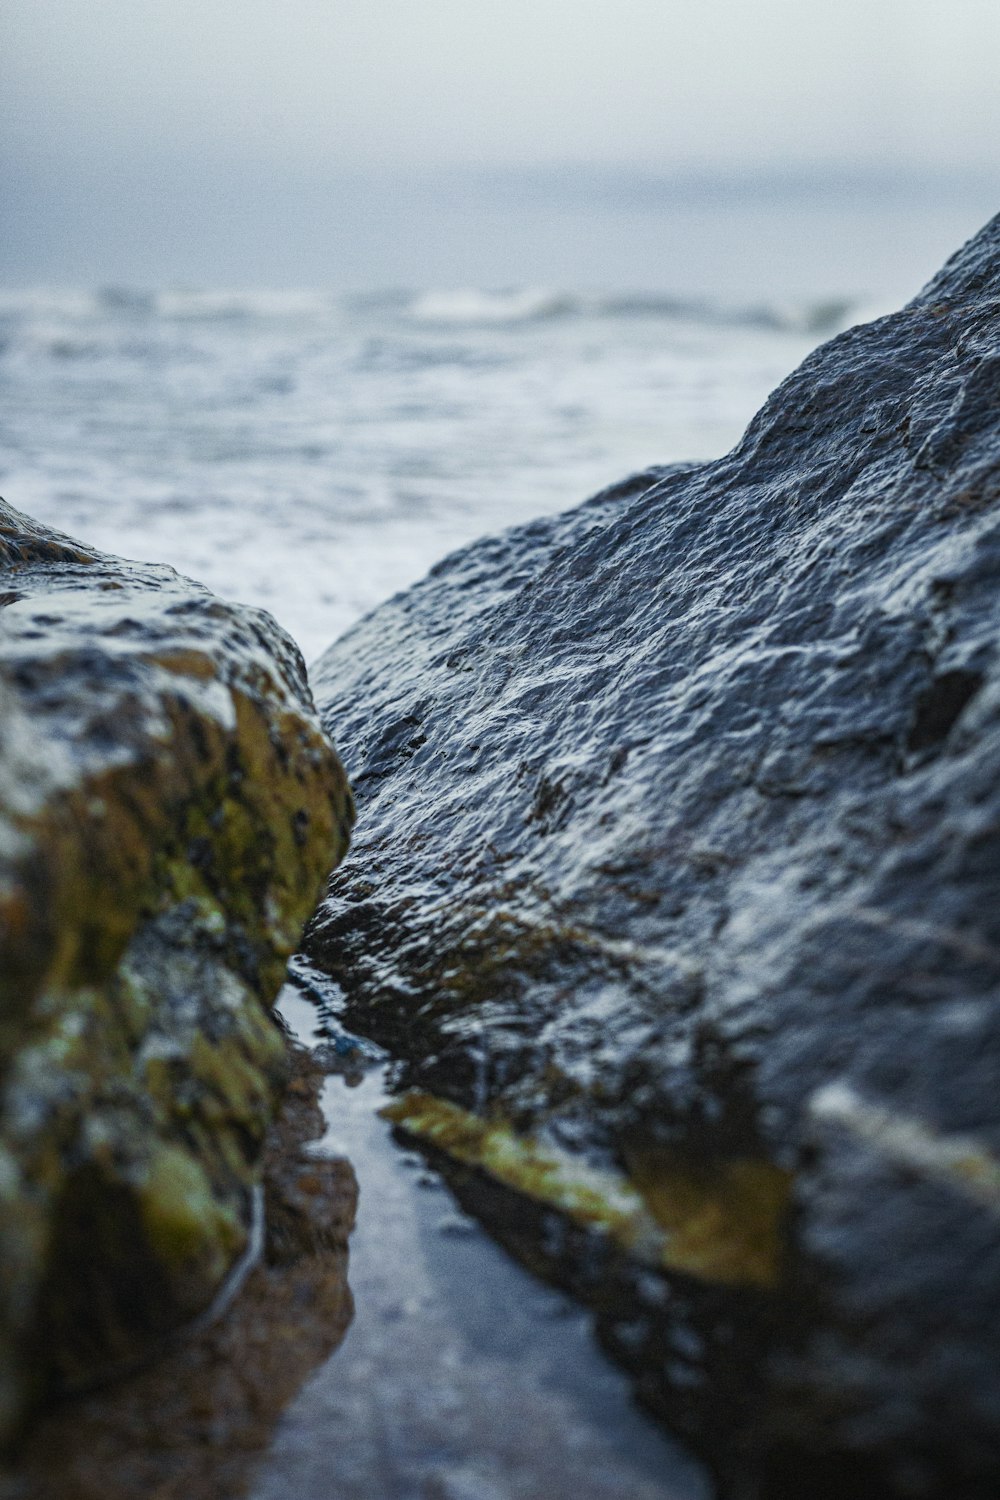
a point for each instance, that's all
(460, 1378)
(314, 453)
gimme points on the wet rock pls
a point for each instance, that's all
(169, 808)
(194, 1425)
(676, 893)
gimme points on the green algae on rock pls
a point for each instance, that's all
(169, 808)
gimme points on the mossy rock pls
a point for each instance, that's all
(169, 809)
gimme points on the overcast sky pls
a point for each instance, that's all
(100, 96)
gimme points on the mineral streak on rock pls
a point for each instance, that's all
(680, 842)
(169, 808)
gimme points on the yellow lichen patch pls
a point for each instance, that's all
(185, 1223)
(724, 1219)
(720, 1221)
(237, 1073)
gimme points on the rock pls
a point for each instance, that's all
(196, 1422)
(677, 893)
(169, 808)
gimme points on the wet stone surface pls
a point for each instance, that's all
(194, 1425)
(169, 809)
(677, 872)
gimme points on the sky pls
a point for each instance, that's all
(160, 137)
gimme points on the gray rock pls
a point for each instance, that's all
(169, 809)
(678, 885)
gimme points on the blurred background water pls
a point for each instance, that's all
(314, 451)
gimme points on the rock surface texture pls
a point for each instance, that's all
(169, 808)
(677, 892)
(193, 1424)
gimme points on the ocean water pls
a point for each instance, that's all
(314, 452)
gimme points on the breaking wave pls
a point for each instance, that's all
(475, 307)
(468, 307)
